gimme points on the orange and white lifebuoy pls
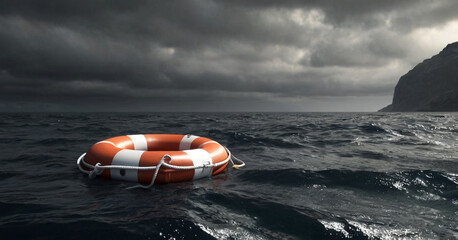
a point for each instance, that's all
(139, 158)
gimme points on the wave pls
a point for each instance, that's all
(414, 182)
(372, 128)
(274, 220)
(247, 139)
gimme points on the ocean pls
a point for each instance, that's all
(307, 176)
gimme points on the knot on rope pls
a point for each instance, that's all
(96, 171)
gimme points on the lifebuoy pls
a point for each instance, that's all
(139, 158)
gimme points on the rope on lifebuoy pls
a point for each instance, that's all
(97, 169)
(239, 164)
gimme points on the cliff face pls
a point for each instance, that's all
(430, 86)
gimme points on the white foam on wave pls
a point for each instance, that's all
(419, 181)
(399, 185)
(336, 226)
(426, 196)
(452, 177)
(234, 226)
(226, 233)
(376, 231)
(430, 139)
(359, 140)
(395, 136)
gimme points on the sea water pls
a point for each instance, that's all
(307, 176)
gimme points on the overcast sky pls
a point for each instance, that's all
(345, 55)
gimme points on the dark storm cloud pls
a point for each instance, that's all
(95, 54)
(407, 14)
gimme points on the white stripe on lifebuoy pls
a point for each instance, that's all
(186, 141)
(139, 141)
(126, 157)
(199, 159)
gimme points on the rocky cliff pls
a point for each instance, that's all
(430, 86)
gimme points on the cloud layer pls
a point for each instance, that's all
(214, 55)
